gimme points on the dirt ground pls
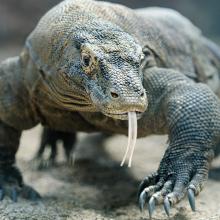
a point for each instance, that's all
(96, 187)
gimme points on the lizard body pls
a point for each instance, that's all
(87, 64)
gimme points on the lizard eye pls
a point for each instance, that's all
(85, 59)
(88, 63)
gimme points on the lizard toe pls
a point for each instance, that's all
(197, 183)
(179, 189)
(29, 193)
(146, 194)
(195, 187)
(158, 197)
(11, 185)
(148, 181)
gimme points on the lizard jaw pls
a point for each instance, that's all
(123, 115)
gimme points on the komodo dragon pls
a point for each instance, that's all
(89, 64)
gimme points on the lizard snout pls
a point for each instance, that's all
(120, 102)
(116, 95)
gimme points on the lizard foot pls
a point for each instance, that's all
(41, 164)
(172, 182)
(11, 184)
(70, 160)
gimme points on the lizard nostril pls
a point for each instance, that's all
(114, 95)
(142, 94)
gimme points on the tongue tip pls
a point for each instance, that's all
(132, 136)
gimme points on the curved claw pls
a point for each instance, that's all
(142, 200)
(14, 195)
(141, 188)
(167, 206)
(191, 198)
(151, 206)
(150, 180)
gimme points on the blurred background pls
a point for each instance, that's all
(18, 18)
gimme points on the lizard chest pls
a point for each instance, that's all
(89, 122)
(49, 114)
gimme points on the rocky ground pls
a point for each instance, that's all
(96, 187)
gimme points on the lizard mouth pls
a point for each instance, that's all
(132, 118)
(123, 115)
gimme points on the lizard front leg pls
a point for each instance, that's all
(11, 182)
(15, 115)
(191, 114)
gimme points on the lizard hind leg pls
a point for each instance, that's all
(49, 139)
(69, 141)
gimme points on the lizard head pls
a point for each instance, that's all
(111, 73)
(93, 68)
(112, 78)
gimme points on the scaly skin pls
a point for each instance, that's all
(88, 63)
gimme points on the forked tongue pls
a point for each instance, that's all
(132, 137)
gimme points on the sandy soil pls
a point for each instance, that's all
(96, 187)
